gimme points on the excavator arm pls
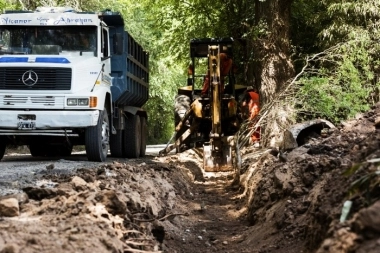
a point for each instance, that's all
(217, 154)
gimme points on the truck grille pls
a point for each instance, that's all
(31, 102)
(11, 78)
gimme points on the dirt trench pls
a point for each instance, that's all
(284, 202)
(140, 205)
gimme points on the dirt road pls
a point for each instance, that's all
(18, 167)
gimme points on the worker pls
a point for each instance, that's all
(251, 107)
(190, 70)
(225, 66)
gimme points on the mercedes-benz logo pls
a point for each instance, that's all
(29, 78)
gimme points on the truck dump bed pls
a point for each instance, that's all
(130, 79)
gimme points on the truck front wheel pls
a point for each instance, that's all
(97, 139)
(132, 137)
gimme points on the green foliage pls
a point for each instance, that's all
(338, 83)
(8, 5)
(160, 105)
(342, 80)
(308, 19)
(348, 16)
(166, 73)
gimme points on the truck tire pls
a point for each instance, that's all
(144, 135)
(181, 105)
(132, 137)
(3, 146)
(97, 139)
(116, 143)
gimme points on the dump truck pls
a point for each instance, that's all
(72, 78)
(208, 120)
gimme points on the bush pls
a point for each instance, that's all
(338, 83)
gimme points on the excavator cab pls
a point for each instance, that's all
(208, 117)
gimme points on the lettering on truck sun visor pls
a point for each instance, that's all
(10, 21)
(47, 21)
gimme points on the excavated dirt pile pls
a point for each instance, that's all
(285, 202)
(296, 198)
(111, 208)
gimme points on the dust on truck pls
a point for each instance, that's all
(72, 78)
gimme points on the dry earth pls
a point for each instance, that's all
(284, 203)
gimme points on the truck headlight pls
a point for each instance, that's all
(77, 102)
(83, 101)
(72, 101)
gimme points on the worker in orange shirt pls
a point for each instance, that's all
(251, 103)
(225, 66)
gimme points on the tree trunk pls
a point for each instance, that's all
(273, 63)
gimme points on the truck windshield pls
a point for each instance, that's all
(47, 39)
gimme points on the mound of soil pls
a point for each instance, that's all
(111, 208)
(295, 200)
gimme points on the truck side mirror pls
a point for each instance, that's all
(118, 43)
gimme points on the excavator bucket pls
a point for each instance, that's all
(218, 158)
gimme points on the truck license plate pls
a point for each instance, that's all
(26, 122)
(26, 125)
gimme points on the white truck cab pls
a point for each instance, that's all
(55, 81)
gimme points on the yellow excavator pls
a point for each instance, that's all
(208, 119)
